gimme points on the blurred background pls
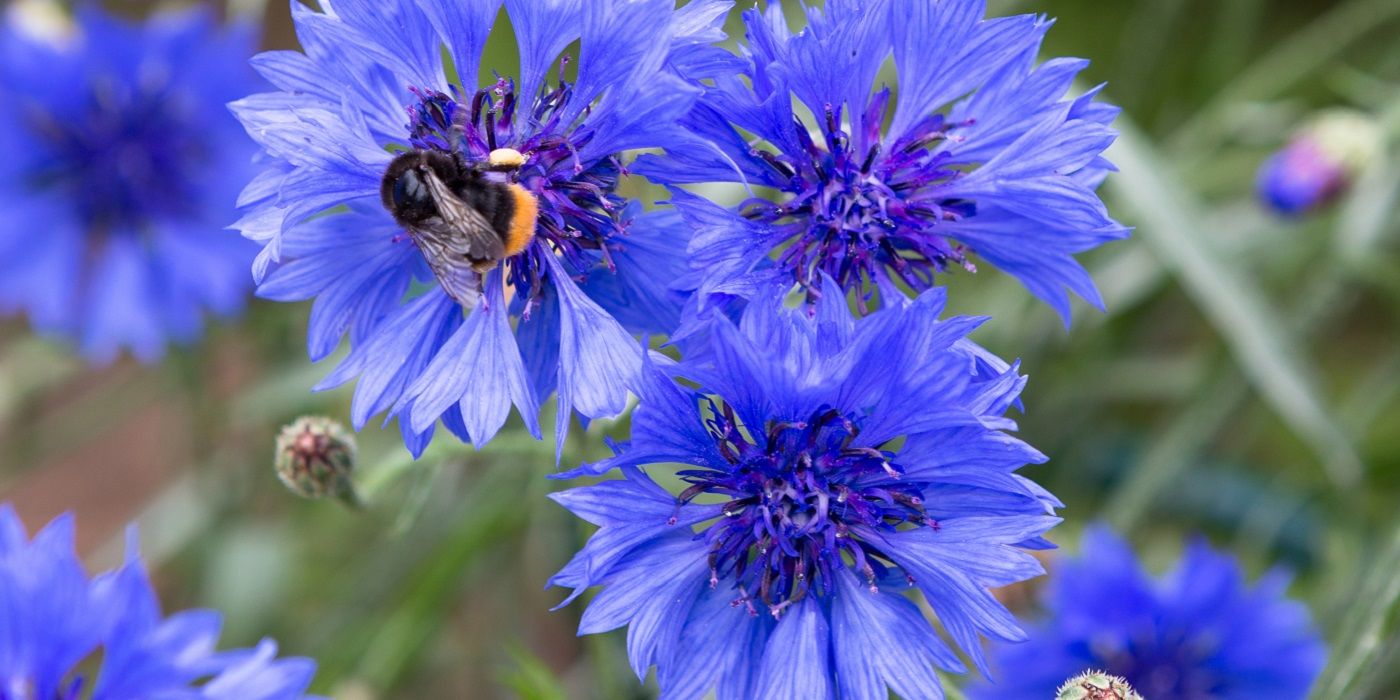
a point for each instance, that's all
(1244, 383)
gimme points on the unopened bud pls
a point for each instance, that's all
(1320, 162)
(315, 457)
(1096, 685)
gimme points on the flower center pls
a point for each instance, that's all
(802, 502)
(1167, 664)
(124, 157)
(580, 212)
(865, 215)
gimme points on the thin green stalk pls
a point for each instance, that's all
(396, 638)
(1362, 633)
(1289, 63)
(1219, 395)
(1255, 333)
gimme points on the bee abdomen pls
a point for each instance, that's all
(522, 223)
(509, 208)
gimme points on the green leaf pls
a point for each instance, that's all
(399, 637)
(1255, 333)
(530, 679)
(952, 692)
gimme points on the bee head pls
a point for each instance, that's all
(404, 190)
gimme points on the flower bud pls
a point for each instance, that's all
(1096, 685)
(1320, 162)
(315, 456)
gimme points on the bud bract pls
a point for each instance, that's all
(315, 457)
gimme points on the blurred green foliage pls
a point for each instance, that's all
(1243, 383)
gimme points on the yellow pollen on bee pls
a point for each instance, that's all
(506, 158)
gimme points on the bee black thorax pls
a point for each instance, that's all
(406, 194)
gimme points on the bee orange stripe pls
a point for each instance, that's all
(522, 224)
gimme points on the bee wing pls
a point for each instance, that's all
(477, 240)
(456, 243)
(456, 274)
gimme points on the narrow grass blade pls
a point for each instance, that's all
(1361, 636)
(530, 678)
(1255, 333)
(1292, 60)
(1176, 449)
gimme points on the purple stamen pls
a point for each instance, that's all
(797, 501)
(867, 218)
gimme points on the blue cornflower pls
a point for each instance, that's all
(53, 618)
(830, 467)
(1319, 162)
(1198, 632)
(379, 78)
(119, 166)
(981, 155)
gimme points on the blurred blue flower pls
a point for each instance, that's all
(373, 80)
(119, 167)
(55, 618)
(830, 466)
(1300, 177)
(1198, 632)
(981, 155)
(1319, 163)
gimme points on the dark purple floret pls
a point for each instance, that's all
(802, 501)
(870, 216)
(580, 211)
(123, 157)
(1175, 664)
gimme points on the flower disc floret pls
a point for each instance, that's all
(803, 501)
(582, 219)
(867, 220)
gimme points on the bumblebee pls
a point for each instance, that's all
(464, 222)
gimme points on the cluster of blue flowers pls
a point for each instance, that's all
(1006, 173)
(828, 462)
(831, 462)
